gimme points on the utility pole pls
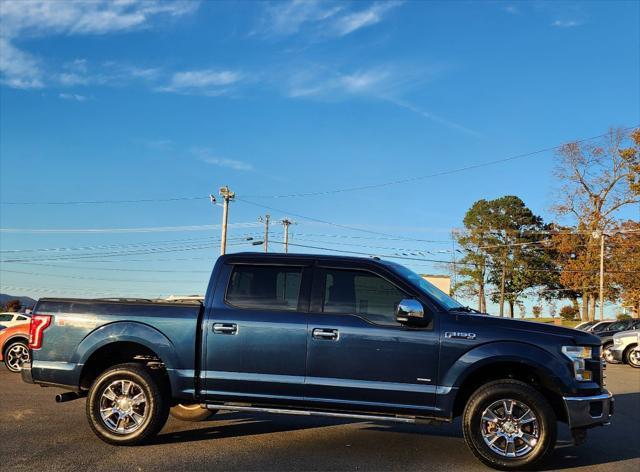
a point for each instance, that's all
(286, 222)
(265, 220)
(227, 196)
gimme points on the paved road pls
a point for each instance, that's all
(37, 434)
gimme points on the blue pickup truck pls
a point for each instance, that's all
(321, 335)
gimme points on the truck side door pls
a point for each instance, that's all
(254, 338)
(358, 356)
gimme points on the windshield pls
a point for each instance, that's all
(425, 287)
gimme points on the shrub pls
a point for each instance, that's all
(537, 311)
(568, 312)
(623, 317)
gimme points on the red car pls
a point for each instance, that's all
(14, 346)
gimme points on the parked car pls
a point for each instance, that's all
(12, 319)
(600, 326)
(13, 346)
(585, 325)
(328, 336)
(625, 340)
(606, 336)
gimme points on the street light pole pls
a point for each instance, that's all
(602, 236)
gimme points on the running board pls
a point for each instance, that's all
(330, 414)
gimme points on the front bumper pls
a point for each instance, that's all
(26, 373)
(617, 352)
(587, 412)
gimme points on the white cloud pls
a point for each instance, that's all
(72, 96)
(18, 69)
(36, 18)
(202, 82)
(323, 18)
(566, 23)
(46, 17)
(360, 19)
(205, 155)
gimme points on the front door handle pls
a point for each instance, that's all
(331, 334)
(225, 328)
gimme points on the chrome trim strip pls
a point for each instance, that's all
(397, 419)
(593, 398)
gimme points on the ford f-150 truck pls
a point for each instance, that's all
(321, 335)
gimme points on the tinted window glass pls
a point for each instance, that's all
(361, 293)
(22, 318)
(6, 317)
(274, 288)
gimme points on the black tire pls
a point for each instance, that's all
(491, 394)
(156, 404)
(606, 353)
(632, 356)
(15, 354)
(190, 412)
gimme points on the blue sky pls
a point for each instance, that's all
(147, 100)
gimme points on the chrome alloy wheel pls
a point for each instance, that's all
(510, 428)
(16, 356)
(123, 406)
(634, 356)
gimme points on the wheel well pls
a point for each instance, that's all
(117, 353)
(15, 338)
(509, 370)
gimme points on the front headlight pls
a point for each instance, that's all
(617, 341)
(577, 355)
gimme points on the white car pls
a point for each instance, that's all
(626, 347)
(12, 319)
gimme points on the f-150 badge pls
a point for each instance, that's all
(459, 335)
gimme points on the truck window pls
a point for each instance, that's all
(361, 293)
(270, 287)
(6, 317)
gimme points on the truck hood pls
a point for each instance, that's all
(521, 326)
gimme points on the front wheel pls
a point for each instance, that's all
(509, 425)
(127, 404)
(633, 357)
(16, 354)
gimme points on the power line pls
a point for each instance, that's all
(427, 176)
(153, 229)
(102, 202)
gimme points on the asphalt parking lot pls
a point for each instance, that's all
(38, 434)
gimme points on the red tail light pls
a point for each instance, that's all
(38, 324)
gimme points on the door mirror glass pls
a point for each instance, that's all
(409, 311)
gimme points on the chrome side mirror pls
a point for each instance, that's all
(409, 310)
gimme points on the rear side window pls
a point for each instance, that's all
(361, 293)
(269, 287)
(22, 318)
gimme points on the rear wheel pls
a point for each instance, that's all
(190, 412)
(509, 425)
(127, 404)
(16, 354)
(632, 357)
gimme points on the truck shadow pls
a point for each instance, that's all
(234, 425)
(604, 445)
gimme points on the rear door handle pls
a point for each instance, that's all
(330, 334)
(225, 328)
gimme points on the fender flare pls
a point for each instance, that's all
(545, 365)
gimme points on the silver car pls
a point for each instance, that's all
(626, 347)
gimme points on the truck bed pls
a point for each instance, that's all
(81, 327)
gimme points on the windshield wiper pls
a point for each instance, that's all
(466, 309)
